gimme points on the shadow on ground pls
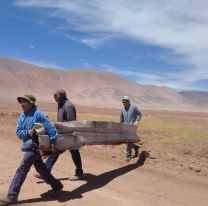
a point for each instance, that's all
(93, 182)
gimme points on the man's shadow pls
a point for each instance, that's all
(93, 182)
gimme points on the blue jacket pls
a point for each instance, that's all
(26, 122)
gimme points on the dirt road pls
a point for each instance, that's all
(108, 180)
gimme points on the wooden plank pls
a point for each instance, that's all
(89, 126)
(76, 134)
(64, 142)
(107, 138)
(78, 139)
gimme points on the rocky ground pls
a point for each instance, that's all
(174, 174)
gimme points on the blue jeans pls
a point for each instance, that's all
(31, 158)
(75, 157)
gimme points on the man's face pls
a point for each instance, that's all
(125, 103)
(56, 98)
(26, 106)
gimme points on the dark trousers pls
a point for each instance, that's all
(129, 148)
(31, 158)
(76, 157)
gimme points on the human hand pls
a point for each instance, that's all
(32, 133)
(54, 147)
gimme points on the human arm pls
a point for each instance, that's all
(138, 116)
(20, 131)
(52, 131)
(121, 117)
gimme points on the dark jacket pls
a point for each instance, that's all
(66, 112)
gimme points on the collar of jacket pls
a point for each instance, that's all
(61, 104)
(127, 108)
(29, 112)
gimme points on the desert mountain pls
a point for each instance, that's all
(198, 98)
(84, 87)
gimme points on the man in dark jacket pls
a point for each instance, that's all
(66, 112)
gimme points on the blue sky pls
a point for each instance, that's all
(159, 42)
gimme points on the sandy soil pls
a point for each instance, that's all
(108, 181)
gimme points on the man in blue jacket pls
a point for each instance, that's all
(130, 115)
(25, 132)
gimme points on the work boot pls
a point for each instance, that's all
(78, 175)
(56, 190)
(9, 200)
(127, 158)
(136, 151)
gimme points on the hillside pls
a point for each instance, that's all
(85, 87)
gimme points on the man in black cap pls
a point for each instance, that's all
(66, 112)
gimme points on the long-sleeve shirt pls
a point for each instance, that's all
(66, 112)
(130, 115)
(26, 122)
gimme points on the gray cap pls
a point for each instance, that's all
(126, 98)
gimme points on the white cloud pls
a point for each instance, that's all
(31, 47)
(178, 81)
(86, 65)
(91, 41)
(47, 65)
(180, 26)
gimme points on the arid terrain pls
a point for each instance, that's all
(112, 60)
(175, 174)
(88, 87)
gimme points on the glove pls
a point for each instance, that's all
(54, 147)
(32, 133)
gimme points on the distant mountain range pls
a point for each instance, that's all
(198, 98)
(89, 87)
